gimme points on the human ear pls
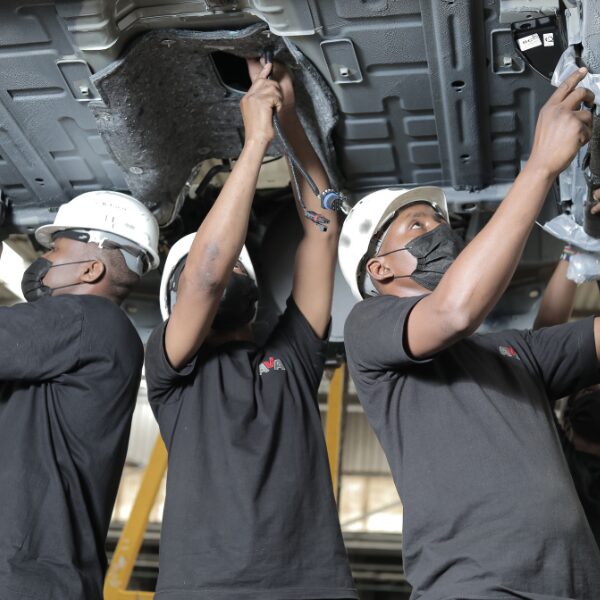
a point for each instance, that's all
(378, 270)
(93, 271)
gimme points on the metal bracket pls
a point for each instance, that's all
(517, 10)
(573, 20)
(505, 61)
(77, 76)
(342, 61)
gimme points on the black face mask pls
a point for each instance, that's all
(435, 251)
(238, 304)
(31, 284)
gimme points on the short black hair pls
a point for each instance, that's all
(121, 278)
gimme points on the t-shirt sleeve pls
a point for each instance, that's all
(294, 338)
(565, 356)
(162, 379)
(374, 334)
(39, 341)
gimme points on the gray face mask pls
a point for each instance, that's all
(435, 252)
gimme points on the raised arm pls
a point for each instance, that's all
(478, 277)
(316, 255)
(557, 304)
(221, 235)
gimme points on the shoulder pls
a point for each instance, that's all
(155, 345)
(293, 313)
(374, 334)
(367, 312)
(62, 314)
(159, 373)
(97, 304)
(293, 328)
(59, 312)
(105, 319)
(67, 303)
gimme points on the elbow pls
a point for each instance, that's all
(459, 321)
(205, 273)
(201, 282)
(326, 241)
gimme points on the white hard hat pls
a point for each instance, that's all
(109, 217)
(178, 252)
(365, 221)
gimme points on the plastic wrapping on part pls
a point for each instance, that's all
(567, 65)
(573, 19)
(564, 228)
(584, 265)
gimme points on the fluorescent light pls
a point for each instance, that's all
(12, 266)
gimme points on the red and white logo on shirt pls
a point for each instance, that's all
(273, 364)
(509, 352)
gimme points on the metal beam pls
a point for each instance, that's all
(455, 46)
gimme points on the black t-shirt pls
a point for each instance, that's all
(585, 469)
(249, 511)
(490, 510)
(69, 373)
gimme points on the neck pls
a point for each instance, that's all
(217, 338)
(402, 288)
(90, 290)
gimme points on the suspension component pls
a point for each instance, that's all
(591, 170)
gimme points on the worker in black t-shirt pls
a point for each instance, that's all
(70, 366)
(465, 420)
(249, 510)
(580, 433)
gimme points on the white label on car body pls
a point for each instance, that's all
(548, 39)
(529, 42)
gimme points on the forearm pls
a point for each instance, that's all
(317, 252)
(483, 270)
(557, 304)
(213, 254)
(478, 277)
(481, 273)
(311, 162)
(222, 234)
